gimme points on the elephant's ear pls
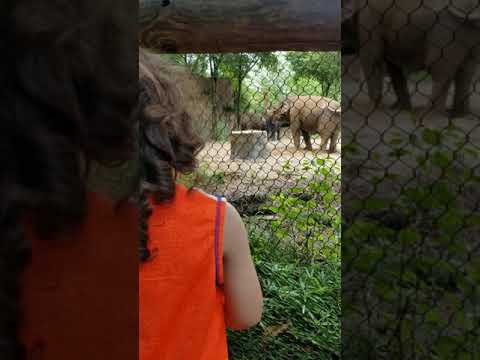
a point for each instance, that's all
(466, 10)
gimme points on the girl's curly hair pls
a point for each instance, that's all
(68, 96)
(167, 142)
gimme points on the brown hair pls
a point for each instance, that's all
(167, 141)
(67, 97)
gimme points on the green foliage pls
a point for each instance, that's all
(254, 76)
(312, 74)
(419, 266)
(323, 68)
(297, 256)
(238, 66)
(301, 306)
(310, 216)
(198, 63)
(221, 131)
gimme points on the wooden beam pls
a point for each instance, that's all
(219, 26)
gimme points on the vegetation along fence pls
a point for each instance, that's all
(410, 179)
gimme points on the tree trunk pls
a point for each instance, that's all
(213, 91)
(327, 90)
(220, 26)
(237, 105)
(238, 98)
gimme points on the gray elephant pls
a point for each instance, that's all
(273, 129)
(257, 121)
(275, 122)
(413, 35)
(308, 115)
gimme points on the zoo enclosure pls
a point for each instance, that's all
(231, 97)
(236, 67)
(239, 98)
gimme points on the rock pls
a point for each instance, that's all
(249, 145)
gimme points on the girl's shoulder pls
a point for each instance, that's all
(232, 218)
(210, 196)
(231, 213)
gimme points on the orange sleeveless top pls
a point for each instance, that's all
(181, 297)
(80, 291)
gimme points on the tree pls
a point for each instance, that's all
(324, 67)
(214, 63)
(238, 66)
(198, 63)
(276, 85)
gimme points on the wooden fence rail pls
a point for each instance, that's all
(220, 26)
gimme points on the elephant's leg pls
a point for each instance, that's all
(463, 81)
(323, 140)
(371, 59)
(295, 128)
(374, 78)
(441, 79)
(269, 129)
(333, 141)
(399, 82)
(443, 73)
(308, 141)
(440, 93)
(296, 137)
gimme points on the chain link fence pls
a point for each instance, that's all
(410, 179)
(271, 125)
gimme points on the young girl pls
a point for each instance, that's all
(197, 274)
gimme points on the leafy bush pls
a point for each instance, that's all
(301, 307)
(413, 257)
(298, 262)
(310, 216)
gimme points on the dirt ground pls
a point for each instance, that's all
(376, 132)
(235, 179)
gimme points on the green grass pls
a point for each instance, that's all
(301, 306)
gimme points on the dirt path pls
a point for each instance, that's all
(239, 178)
(377, 134)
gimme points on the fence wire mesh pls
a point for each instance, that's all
(271, 125)
(410, 179)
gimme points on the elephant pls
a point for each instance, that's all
(248, 121)
(307, 115)
(275, 123)
(257, 121)
(413, 35)
(273, 129)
